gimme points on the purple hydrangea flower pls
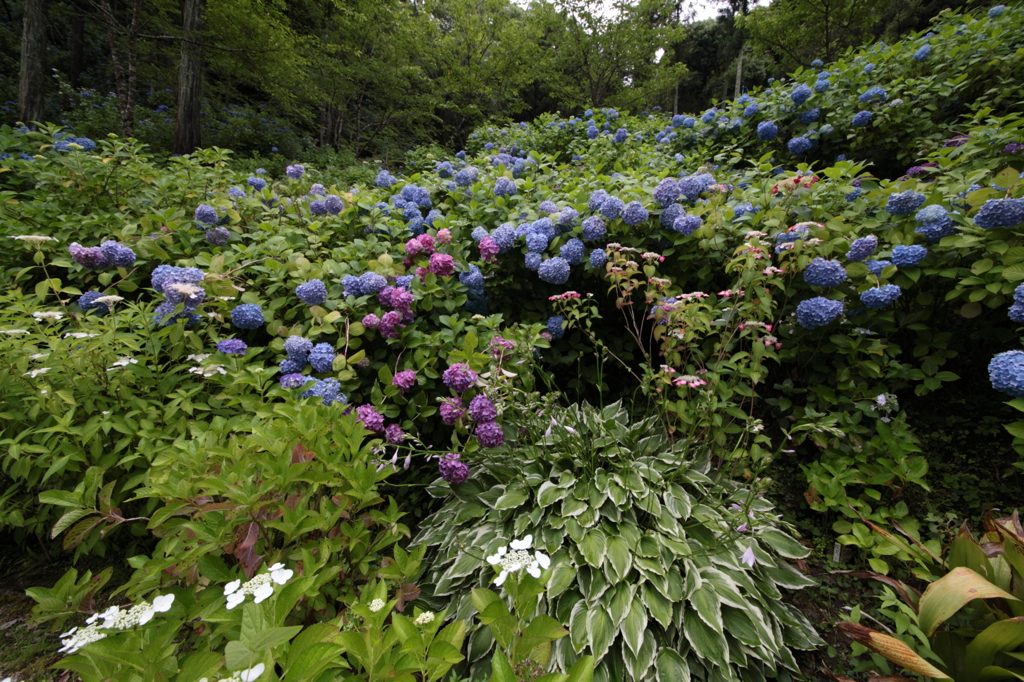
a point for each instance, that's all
(490, 434)
(394, 434)
(322, 357)
(119, 255)
(295, 171)
(459, 377)
(232, 346)
(317, 190)
(206, 214)
(334, 204)
(371, 321)
(481, 409)
(404, 380)
(294, 380)
(89, 257)
(452, 470)
(554, 270)
(318, 207)
(442, 265)
(218, 236)
(372, 419)
(247, 316)
(451, 410)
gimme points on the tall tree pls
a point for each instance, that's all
(32, 79)
(124, 25)
(188, 128)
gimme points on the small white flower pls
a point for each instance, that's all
(184, 288)
(281, 575)
(263, 592)
(79, 335)
(232, 586)
(37, 356)
(36, 372)
(198, 357)
(495, 558)
(163, 603)
(109, 299)
(525, 543)
(12, 332)
(33, 239)
(376, 605)
(252, 674)
(123, 362)
(226, 298)
(146, 615)
(51, 315)
(425, 618)
(234, 599)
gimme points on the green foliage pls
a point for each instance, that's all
(646, 566)
(968, 621)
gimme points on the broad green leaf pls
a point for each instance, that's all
(582, 671)
(593, 546)
(705, 641)
(671, 666)
(619, 556)
(948, 594)
(198, 665)
(634, 626)
(501, 671)
(600, 631)
(1004, 635)
(709, 608)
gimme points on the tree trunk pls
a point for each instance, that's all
(77, 40)
(32, 79)
(124, 65)
(188, 129)
(739, 74)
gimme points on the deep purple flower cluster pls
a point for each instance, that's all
(232, 346)
(459, 377)
(818, 312)
(481, 409)
(295, 171)
(488, 249)
(908, 256)
(247, 316)
(554, 270)
(89, 257)
(1000, 213)
(824, 273)
(404, 380)
(1006, 372)
(861, 248)
(334, 204)
(904, 203)
(452, 470)
(372, 419)
(451, 410)
(880, 297)
(313, 292)
(490, 434)
(218, 236)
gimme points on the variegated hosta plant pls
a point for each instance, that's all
(659, 571)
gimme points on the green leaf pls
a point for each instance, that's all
(511, 499)
(672, 666)
(708, 606)
(948, 594)
(67, 519)
(593, 546)
(619, 556)
(198, 665)
(600, 631)
(549, 493)
(214, 568)
(582, 671)
(501, 671)
(634, 626)
(60, 498)
(784, 544)
(1004, 635)
(272, 637)
(708, 644)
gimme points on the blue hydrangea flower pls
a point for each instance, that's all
(592, 132)
(167, 274)
(799, 145)
(548, 207)
(620, 136)
(634, 213)
(687, 224)
(709, 115)
(861, 119)
(328, 390)
(567, 216)
(258, 184)
(810, 116)
(385, 179)
(467, 176)
(875, 94)
(247, 316)
(444, 169)
(1006, 372)
(908, 256)
(876, 266)
(119, 255)
(207, 214)
(667, 191)
(417, 195)
(800, 94)
(321, 357)
(87, 302)
(677, 120)
(473, 279)
(861, 248)
(904, 203)
(821, 85)
(572, 251)
(236, 193)
(692, 186)
(461, 155)
(996, 12)
(297, 348)
(232, 347)
(868, 68)
(545, 226)
(291, 366)
(751, 110)
(1016, 312)
(313, 292)
(880, 297)
(504, 187)
(554, 270)
(295, 172)
(505, 237)
(612, 208)
(1000, 213)
(556, 326)
(669, 215)
(532, 260)
(923, 53)
(817, 64)
(597, 258)
(597, 198)
(334, 204)
(294, 379)
(824, 273)
(743, 209)
(317, 207)
(316, 189)
(818, 312)
(536, 242)
(934, 231)
(593, 228)
(767, 130)
(371, 283)
(218, 236)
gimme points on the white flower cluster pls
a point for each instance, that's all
(250, 675)
(51, 315)
(122, 362)
(33, 239)
(425, 618)
(208, 370)
(36, 372)
(259, 587)
(517, 559)
(376, 605)
(12, 332)
(113, 618)
(79, 335)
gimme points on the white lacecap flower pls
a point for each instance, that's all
(252, 674)
(232, 586)
(259, 587)
(109, 299)
(79, 335)
(12, 332)
(263, 592)
(52, 315)
(36, 372)
(33, 239)
(376, 605)
(517, 559)
(123, 362)
(198, 357)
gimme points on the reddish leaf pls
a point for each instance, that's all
(406, 593)
(301, 455)
(250, 533)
